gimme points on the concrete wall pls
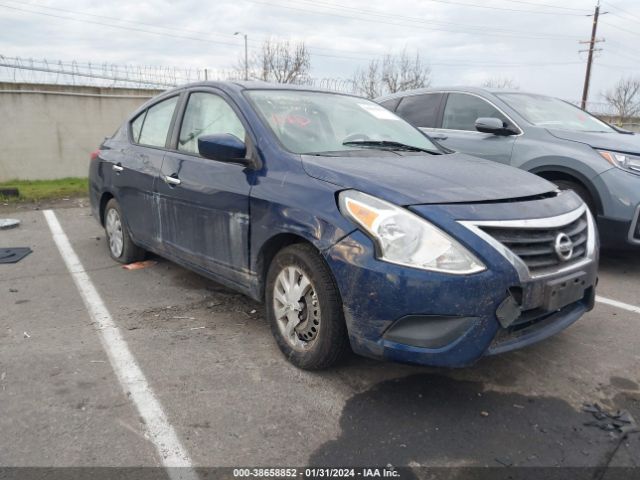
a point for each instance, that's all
(49, 131)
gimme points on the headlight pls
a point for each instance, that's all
(625, 161)
(404, 238)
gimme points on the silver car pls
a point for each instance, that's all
(541, 134)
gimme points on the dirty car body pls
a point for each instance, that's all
(517, 260)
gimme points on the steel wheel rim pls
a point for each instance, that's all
(115, 236)
(296, 308)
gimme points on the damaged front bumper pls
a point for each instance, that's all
(429, 318)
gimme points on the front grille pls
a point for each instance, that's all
(536, 246)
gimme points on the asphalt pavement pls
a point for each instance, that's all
(233, 400)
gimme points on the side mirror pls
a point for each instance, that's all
(223, 147)
(493, 125)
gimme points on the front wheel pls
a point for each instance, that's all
(121, 247)
(304, 309)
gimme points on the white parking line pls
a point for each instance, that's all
(616, 303)
(132, 380)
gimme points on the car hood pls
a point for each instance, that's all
(423, 179)
(620, 142)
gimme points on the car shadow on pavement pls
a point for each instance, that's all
(618, 261)
(435, 420)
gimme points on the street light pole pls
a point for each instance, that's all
(246, 55)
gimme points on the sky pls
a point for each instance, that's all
(465, 42)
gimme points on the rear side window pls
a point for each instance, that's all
(420, 110)
(207, 114)
(390, 104)
(462, 111)
(157, 121)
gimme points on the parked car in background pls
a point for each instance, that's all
(348, 222)
(543, 135)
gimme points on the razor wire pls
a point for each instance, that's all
(105, 74)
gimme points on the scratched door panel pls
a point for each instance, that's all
(205, 219)
(134, 186)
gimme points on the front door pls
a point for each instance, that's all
(458, 131)
(204, 204)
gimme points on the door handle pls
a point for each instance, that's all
(439, 137)
(117, 168)
(171, 180)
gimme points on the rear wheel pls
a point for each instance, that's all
(121, 247)
(304, 309)
(581, 191)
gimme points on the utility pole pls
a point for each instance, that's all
(246, 55)
(592, 44)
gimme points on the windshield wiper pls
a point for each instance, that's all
(388, 145)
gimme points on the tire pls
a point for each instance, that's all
(121, 247)
(320, 338)
(582, 192)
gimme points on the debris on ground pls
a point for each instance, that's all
(26, 335)
(7, 223)
(139, 265)
(9, 192)
(484, 414)
(619, 421)
(505, 461)
(13, 255)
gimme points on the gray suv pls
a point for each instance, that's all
(543, 135)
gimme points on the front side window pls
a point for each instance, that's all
(551, 112)
(420, 110)
(136, 126)
(207, 114)
(155, 126)
(462, 111)
(317, 122)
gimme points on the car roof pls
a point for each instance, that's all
(475, 90)
(240, 85)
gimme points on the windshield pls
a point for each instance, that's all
(551, 112)
(317, 122)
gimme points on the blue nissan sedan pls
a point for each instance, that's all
(354, 229)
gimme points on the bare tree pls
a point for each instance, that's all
(502, 83)
(368, 81)
(392, 73)
(624, 97)
(278, 61)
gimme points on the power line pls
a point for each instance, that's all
(630, 32)
(119, 26)
(443, 64)
(635, 17)
(369, 54)
(491, 7)
(547, 5)
(105, 17)
(419, 20)
(163, 34)
(464, 28)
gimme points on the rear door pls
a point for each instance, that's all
(138, 168)
(422, 111)
(203, 203)
(457, 130)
